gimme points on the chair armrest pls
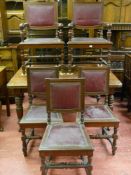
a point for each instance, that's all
(23, 27)
(60, 31)
(71, 25)
(70, 31)
(108, 27)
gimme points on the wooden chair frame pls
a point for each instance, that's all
(36, 115)
(47, 151)
(103, 122)
(38, 40)
(90, 47)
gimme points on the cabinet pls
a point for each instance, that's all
(15, 16)
(3, 22)
(8, 58)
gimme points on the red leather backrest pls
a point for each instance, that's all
(37, 79)
(65, 96)
(40, 15)
(95, 81)
(87, 14)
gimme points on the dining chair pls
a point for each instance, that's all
(41, 33)
(36, 115)
(65, 97)
(97, 113)
(86, 38)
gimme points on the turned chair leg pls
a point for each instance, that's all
(115, 137)
(24, 145)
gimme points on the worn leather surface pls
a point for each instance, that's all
(95, 80)
(87, 14)
(65, 96)
(38, 114)
(97, 112)
(40, 15)
(65, 135)
(37, 79)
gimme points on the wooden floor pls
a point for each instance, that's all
(12, 161)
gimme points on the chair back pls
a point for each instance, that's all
(41, 15)
(96, 80)
(36, 79)
(87, 15)
(65, 95)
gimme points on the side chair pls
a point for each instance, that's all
(97, 113)
(36, 115)
(67, 138)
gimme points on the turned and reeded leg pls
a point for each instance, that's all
(62, 56)
(19, 106)
(43, 167)
(70, 57)
(90, 165)
(110, 101)
(115, 137)
(24, 145)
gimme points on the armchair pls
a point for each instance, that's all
(87, 18)
(37, 43)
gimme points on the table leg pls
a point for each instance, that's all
(19, 104)
(1, 128)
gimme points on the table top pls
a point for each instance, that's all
(19, 81)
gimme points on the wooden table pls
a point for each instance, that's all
(19, 84)
(3, 87)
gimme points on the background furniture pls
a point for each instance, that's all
(9, 59)
(3, 88)
(67, 138)
(126, 87)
